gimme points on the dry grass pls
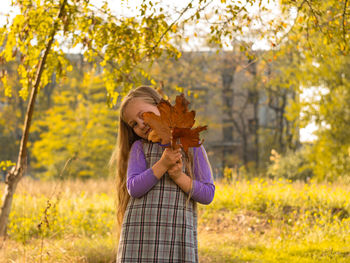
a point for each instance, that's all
(248, 221)
(66, 187)
(68, 249)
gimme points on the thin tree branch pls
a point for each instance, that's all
(292, 27)
(308, 36)
(168, 29)
(314, 14)
(344, 15)
(224, 24)
(198, 10)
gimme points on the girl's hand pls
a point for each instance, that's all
(175, 171)
(170, 157)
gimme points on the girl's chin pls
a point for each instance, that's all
(144, 136)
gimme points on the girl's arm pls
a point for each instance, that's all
(140, 179)
(203, 188)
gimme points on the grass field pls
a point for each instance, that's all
(248, 221)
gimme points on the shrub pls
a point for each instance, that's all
(293, 165)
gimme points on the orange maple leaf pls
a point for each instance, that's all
(174, 124)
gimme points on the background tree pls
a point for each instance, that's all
(120, 44)
(78, 127)
(319, 61)
(312, 40)
(12, 112)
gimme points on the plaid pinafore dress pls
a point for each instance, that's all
(158, 227)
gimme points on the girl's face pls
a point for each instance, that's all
(133, 116)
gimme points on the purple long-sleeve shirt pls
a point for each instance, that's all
(141, 179)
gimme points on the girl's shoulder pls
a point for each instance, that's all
(136, 143)
(200, 151)
(141, 142)
(200, 148)
(136, 146)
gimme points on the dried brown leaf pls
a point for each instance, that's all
(174, 124)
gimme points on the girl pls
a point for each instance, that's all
(157, 195)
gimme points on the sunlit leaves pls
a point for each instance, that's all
(118, 44)
(121, 44)
(6, 86)
(5, 164)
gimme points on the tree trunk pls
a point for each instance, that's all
(256, 134)
(11, 183)
(281, 122)
(16, 174)
(244, 135)
(227, 75)
(255, 100)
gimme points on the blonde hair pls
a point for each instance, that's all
(118, 162)
(126, 137)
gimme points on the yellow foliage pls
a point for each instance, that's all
(5, 164)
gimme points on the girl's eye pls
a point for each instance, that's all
(133, 125)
